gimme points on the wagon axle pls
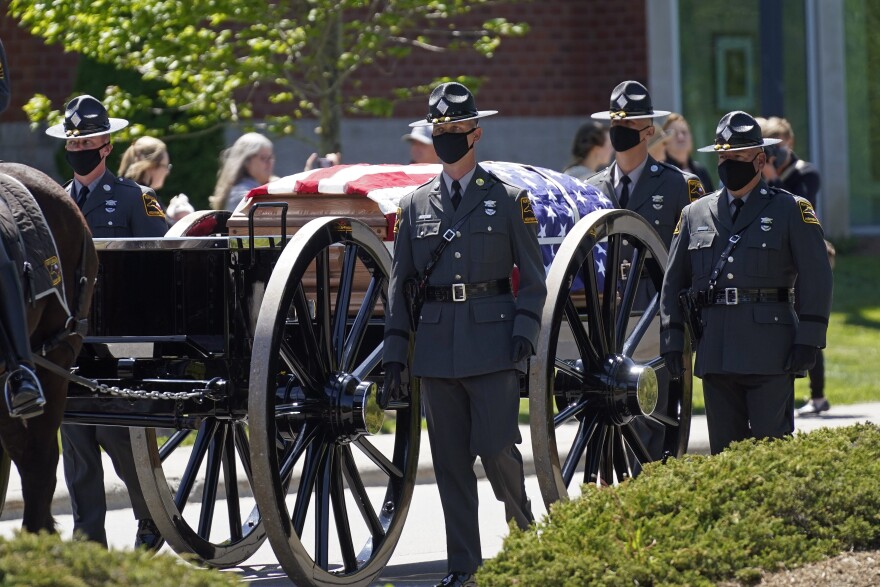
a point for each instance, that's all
(347, 405)
(623, 389)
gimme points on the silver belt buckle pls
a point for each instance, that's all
(458, 292)
(731, 296)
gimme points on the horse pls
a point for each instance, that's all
(32, 444)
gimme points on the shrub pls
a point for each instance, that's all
(35, 560)
(765, 505)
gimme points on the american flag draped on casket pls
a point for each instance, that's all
(558, 200)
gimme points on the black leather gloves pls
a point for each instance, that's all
(522, 348)
(674, 364)
(392, 388)
(801, 358)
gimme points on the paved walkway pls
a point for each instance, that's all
(117, 497)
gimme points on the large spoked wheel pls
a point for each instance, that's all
(334, 492)
(600, 398)
(207, 512)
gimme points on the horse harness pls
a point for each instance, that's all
(31, 245)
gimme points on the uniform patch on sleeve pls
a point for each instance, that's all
(151, 206)
(397, 220)
(807, 213)
(695, 189)
(53, 268)
(677, 226)
(528, 215)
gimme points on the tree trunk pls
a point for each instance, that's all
(331, 99)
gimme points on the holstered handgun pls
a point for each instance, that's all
(414, 292)
(690, 307)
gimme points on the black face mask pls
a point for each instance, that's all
(452, 146)
(624, 138)
(736, 175)
(84, 162)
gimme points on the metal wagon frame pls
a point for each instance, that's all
(267, 349)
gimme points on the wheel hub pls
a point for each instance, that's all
(632, 389)
(355, 411)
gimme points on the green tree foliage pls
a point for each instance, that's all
(211, 55)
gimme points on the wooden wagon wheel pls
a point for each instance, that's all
(217, 533)
(334, 494)
(597, 381)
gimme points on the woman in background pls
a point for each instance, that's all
(591, 150)
(247, 164)
(146, 162)
(679, 147)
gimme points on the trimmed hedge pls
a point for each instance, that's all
(697, 520)
(34, 560)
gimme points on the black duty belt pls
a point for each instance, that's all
(459, 292)
(732, 296)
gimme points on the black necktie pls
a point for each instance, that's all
(456, 194)
(624, 193)
(81, 198)
(737, 206)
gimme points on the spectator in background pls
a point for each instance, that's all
(657, 143)
(328, 160)
(679, 148)
(786, 170)
(146, 162)
(591, 150)
(421, 145)
(178, 207)
(247, 164)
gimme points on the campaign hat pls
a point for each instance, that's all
(85, 116)
(451, 102)
(630, 100)
(737, 131)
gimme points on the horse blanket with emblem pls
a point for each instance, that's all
(29, 242)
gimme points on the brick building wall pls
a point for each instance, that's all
(543, 84)
(34, 68)
(574, 53)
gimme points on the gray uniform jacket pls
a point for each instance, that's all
(782, 242)
(662, 192)
(474, 337)
(121, 208)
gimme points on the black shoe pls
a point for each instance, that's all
(456, 579)
(148, 535)
(24, 396)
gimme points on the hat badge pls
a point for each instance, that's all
(75, 119)
(766, 224)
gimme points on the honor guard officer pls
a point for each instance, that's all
(22, 391)
(656, 191)
(474, 336)
(114, 207)
(737, 254)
